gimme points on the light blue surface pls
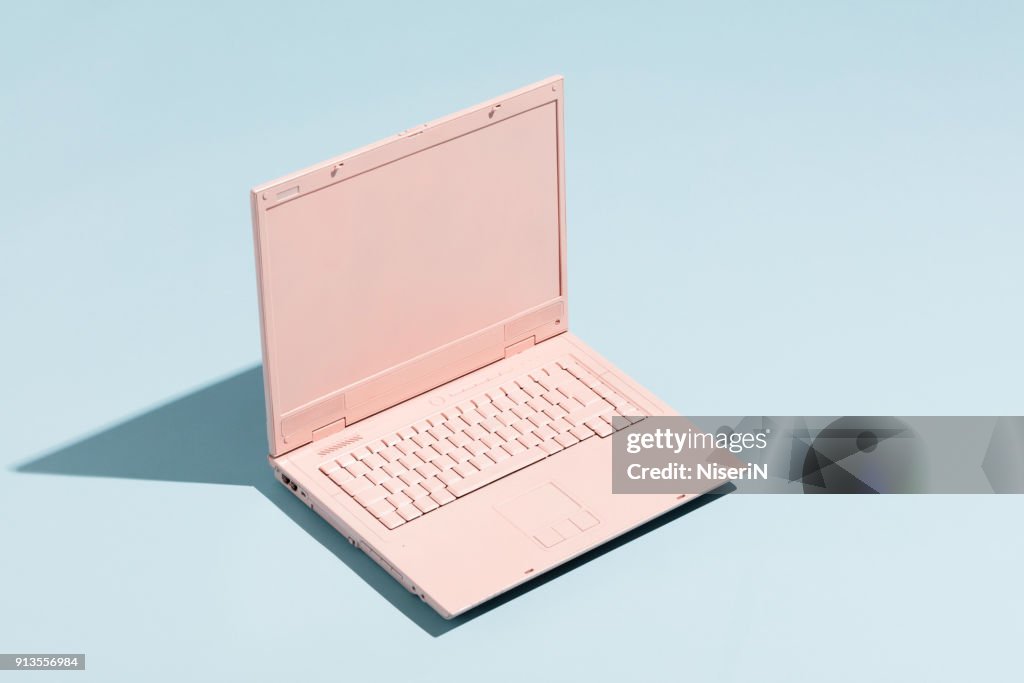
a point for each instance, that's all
(808, 208)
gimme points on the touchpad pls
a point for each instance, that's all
(547, 514)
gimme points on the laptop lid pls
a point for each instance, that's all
(393, 269)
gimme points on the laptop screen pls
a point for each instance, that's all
(375, 270)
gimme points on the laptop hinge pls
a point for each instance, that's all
(521, 346)
(327, 430)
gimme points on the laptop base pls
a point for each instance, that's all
(505, 533)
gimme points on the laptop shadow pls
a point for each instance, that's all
(217, 435)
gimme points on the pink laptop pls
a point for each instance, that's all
(424, 393)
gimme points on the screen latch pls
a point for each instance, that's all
(329, 429)
(521, 346)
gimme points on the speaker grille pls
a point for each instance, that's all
(341, 444)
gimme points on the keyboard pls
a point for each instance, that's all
(427, 465)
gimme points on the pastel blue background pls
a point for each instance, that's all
(785, 208)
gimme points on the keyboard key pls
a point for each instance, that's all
(340, 476)
(488, 410)
(450, 476)
(552, 398)
(497, 454)
(566, 439)
(464, 455)
(378, 476)
(502, 403)
(423, 440)
(328, 467)
(530, 387)
(575, 389)
(355, 486)
(357, 469)
(394, 468)
(481, 462)
(529, 440)
(432, 484)
(392, 454)
(425, 504)
(475, 432)
(599, 426)
(547, 381)
(425, 455)
(536, 404)
(473, 448)
(380, 508)
(443, 447)
(507, 434)
(409, 512)
(575, 368)
(518, 396)
(374, 461)
(489, 425)
(551, 447)
(561, 426)
(368, 497)
(539, 419)
(473, 482)
(505, 419)
(392, 520)
(464, 469)
(428, 470)
(415, 492)
(394, 485)
(439, 432)
(554, 412)
(442, 496)
(581, 432)
(587, 412)
(459, 439)
(411, 477)
(514, 447)
(446, 462)
(523, 427)
(545, 433)
(399, 500)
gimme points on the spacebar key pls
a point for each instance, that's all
(503, 468)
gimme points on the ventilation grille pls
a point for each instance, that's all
(341, 444)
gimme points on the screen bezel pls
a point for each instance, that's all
(348, 404)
